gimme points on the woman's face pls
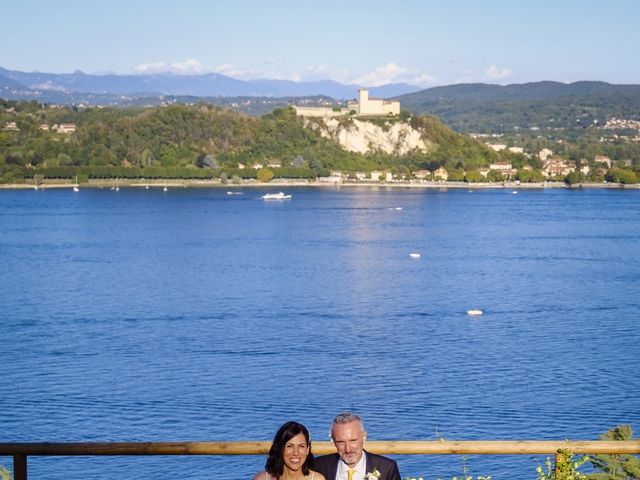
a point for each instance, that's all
(296, 451)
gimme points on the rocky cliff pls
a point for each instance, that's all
(366, 137)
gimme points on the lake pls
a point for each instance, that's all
(193, 315)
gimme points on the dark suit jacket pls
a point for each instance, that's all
(327, 465)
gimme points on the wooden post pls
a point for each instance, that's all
(19, 467)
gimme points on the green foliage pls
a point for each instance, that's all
(202, 141)
(528, 176)
(495, 109)
(264, 175)
(565, 467)
(574, 178)
(474, 176)
(456, 175)
(5, 474)
(495, 176)
(623, 176)
(616, 467)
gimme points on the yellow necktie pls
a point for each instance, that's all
(350, 474)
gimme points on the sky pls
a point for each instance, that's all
(369, 43)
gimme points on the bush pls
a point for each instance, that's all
(264, 175)
(4, 474)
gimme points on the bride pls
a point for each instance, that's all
(290, 455)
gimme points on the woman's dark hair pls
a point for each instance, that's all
(275, 460)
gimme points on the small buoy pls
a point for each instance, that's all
(414, 255)
(474, 312)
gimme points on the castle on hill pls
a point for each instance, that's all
(363, 106)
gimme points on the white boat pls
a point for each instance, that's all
(76, 189)
(234, 193)
(474, 312)
(275, 196)
(414, 255)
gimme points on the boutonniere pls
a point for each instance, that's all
(373, 475)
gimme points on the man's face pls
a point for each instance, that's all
(349, 441)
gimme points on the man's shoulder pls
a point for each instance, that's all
(326, 459)
(326, 465)
(376, 459)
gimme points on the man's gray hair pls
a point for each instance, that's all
(348, 417)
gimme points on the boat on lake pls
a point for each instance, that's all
(276, 196)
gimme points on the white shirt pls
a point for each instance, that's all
(360, 469)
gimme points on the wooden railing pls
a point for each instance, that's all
(20, 451)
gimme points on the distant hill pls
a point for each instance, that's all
(34, 85)
(488, 108)
(8, 83)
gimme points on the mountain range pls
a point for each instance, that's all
(47, 85)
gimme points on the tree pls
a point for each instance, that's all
(206, 160)
(616, 467)
(298, 161)
(628, 177)
(574, 177)
(620, 175)
(456, 175)
(264, 175)
(474, 176)
(495, 176)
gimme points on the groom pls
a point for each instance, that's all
(352, 462)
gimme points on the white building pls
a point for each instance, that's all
(363, 106)
(66, 128)
(544, 154)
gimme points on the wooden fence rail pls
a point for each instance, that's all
(20, 451)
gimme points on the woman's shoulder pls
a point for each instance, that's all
(262, 476)
(316, 476)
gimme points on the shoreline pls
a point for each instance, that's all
(101, 184)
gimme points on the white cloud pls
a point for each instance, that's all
(424, 79)
(231, 70)
(273, 69)
(394, 73)
(495, 73)
(189, 67)
(388, 73)
(267, 69)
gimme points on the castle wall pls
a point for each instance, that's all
(317, 112)
(363, 106)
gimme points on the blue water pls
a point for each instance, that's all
(192, 315)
